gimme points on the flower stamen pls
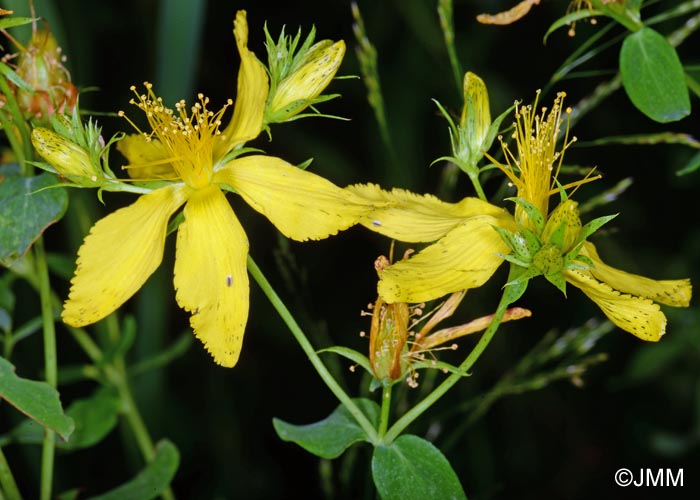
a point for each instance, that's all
(189, 135)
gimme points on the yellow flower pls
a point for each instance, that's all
(466, 255)
(188, 148)
(474, 237)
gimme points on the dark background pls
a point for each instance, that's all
(639, 409)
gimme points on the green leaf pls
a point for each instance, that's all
(653, 76)
(352, 355)
(330, 437)
(412, 468)
(152, 480)
(7, 302)
(692, 165)
(26, 210)
(570, 18)
(11, 22)
(94, 418)
(38, 400)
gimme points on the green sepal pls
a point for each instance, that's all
(570, 263)
(493, 129)
(514, 241)
(592, 226)
(531, 240)
(518, 279)
(532, 212)
(558, 280)
(514, 260)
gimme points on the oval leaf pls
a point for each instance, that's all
(412, 467)
(152, 480)
(37, 400)
(26, 210)
(330, 437)
(653, 76)
(94, 418)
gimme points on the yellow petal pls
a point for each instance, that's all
(146, 158)
(637, 315)
(253, 87)
(466, 258)
(302, 205)
(669, 292)
(210, 274)
(406, 216)
(120, 253)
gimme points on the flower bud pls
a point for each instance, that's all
(69, 159)
(476, 113)
(303, 86)
(563, 226)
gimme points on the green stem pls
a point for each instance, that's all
(133, 417)
(50, 365)
(447, 25)
(623, 18)
(466, 365)
(116, 373)
(477, 185)
(308, 349)
(7, 480)
(386, 407)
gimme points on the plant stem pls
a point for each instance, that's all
(386, 407)
(47, 452)
(133, 417)
(7, 480)
(444, 10)
(116, 373)
(474, 177)
(308, 349)
(447, 384)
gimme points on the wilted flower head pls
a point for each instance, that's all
(402, 337)
(48, 88)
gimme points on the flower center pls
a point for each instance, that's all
(188, 135)
(535, 169)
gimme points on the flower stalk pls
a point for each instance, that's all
(308, 349)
